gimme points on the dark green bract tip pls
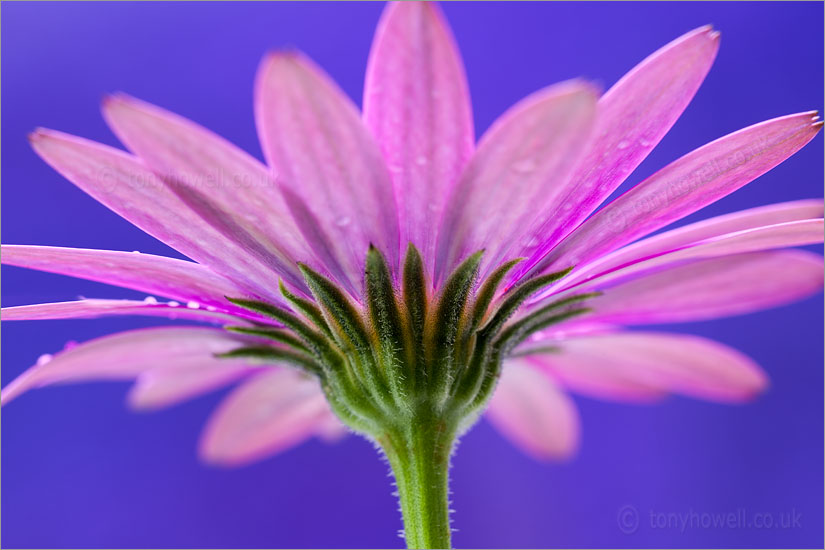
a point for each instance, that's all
(401, 353)
(409, 366)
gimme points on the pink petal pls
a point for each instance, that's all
(708, 289)
(417, 104)
(692, 234)
(168, 277)
(518, 170)
(125, 185)
(634, 365)
(634, 115)
(586, 373)
(91, 309)
(781, 235)
(533, 413)
(686, 185)
(169, 385)
(226, 186)
(577, 326)
(273, 411)
(330, 429)
(330, 166)
(125, 355)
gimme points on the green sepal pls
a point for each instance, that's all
(501, 349)
(488, 290)
(385, 318)
(447, 317)
(414, 291)
(468, 338)
(349, 329)
(553, 320)
(271, 354)
(484, 352)
(313, 338)
(305, 307)
(278, 335)
(538, 350)
(516, 296)
(540, 319)
(338, 310)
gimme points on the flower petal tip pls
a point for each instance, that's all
(753, 385)
(712, 33)
(750, 394)
(285, 56)
(707, 30)
(118, 100)
(40, 138)
(585, 88)
(37, 135)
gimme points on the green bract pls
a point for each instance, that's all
(408, 370)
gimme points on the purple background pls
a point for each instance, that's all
(81, 471)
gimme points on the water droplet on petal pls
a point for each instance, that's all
(624, 144)
(524, 166)
(150, 300)
(173, 303)
(211, 308)
(192, 304)
(70, 345)
(644, 142)
(43, 359)
(135, 251)
(342, 222)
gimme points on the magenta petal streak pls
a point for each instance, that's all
(407, 171)
(417, 105)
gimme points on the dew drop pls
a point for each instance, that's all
(524, 166)
(173, 303)
(624, 144)
(192, 304)
(135, 251)
(43, 359)
(644, 142)
(211, 308)
(150, 300)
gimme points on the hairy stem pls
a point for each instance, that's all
(419, 454)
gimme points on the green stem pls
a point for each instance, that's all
(419, 454)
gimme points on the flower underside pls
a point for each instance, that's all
(404, 355)
(407, 370)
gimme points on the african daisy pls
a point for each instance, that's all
(386, 273)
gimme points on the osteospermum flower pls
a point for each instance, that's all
(385, 273)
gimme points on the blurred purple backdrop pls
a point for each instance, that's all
(81, 471)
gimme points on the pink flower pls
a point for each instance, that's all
(408, 170)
